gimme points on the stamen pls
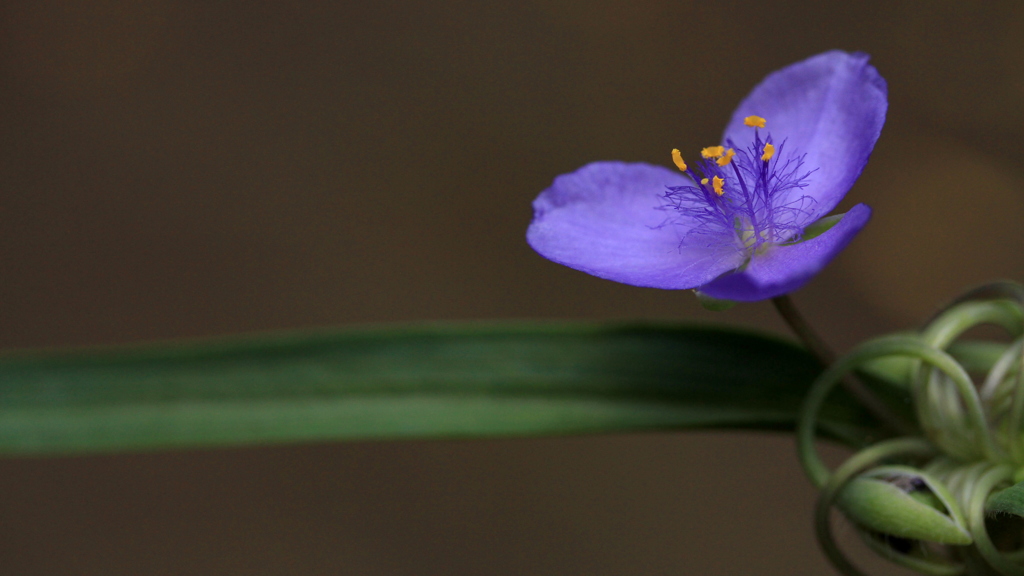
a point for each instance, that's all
(764, 204)
(726, 158)
(713, 152)
(754, 121)
(677, 157)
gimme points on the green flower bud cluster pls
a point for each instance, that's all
(949, 498)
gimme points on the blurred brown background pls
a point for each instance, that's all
(174, 169)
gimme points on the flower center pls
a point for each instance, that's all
(748, 196)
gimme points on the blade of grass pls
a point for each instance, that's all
(428, 381)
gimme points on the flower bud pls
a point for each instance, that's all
(904, 503)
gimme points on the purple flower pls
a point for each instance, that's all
(746, 223)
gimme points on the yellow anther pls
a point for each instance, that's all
(726, 158)
(677, 157)
(713, 152)
(754, 121)
(769, 151)
(704, 181)
(718, 184)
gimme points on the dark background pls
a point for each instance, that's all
(173, 169)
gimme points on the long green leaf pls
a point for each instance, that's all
(426, 381)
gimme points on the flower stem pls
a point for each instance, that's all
(826, 357)
(806, 334)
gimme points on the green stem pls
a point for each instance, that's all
(825, 355)
(806, 334)
(896, 345)
(976, 516)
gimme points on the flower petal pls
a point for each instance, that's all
(830, 107)
(604, 220)
(786, 268)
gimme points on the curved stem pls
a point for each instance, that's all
(814, 343)
(976, 516)
(879, 348)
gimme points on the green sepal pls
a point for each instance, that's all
(1008, 501)
(713, 304)
(884, 501)
(821, 226)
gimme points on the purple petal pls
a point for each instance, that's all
(830, 107)
(786, 268)
(604, 220)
